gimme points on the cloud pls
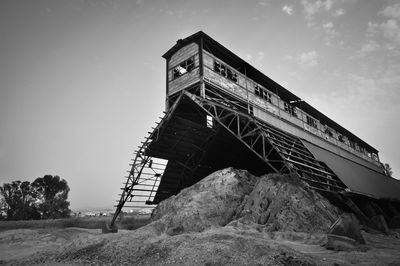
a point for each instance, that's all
(311, 8)
(372, 28)
(338, 12)
(308, 59)
(391, 30)
(330, 32)
(288, 9)
(260, 56)
(369, 47)
(392, 11)
(256, 59)
(263, 3)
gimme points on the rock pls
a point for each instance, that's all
(379, 223)
(341, 243)
(395, 222)
(284, 203)
(347, 225)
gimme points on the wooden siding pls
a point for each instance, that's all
(183, 54)
(224, 83)
(196, 64)
(184, 81)
(245, 89)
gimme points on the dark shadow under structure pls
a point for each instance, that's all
(222, 112)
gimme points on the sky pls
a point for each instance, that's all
(83, 81)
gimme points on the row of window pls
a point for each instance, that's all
(188, 65)
(225, 71)
(260, 92)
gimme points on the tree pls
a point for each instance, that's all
(19, 199)
(52, 195)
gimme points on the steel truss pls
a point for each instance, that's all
(281, 151)
(146, 172)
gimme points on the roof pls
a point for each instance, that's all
(235, 61)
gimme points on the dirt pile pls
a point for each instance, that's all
(284, 203)
(211, 202)
(272, 203)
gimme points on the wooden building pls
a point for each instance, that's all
(222, 112)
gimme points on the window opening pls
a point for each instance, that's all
(210, 121)
(352, 144)
(311, 122)
(267, 96)
(183, 68)
(225, 71)
(257, 90)
(290, 109)
(251, 110)
(328, 132)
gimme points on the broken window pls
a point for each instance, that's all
(257, 90)
(328, 132)
(225, 71)
(311, 122)
(260, 92)
(183, 68)
(267, 96)
(251, 110)
(290, 109)
(352, 144)
(210, 121)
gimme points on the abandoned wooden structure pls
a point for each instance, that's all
(221, 112)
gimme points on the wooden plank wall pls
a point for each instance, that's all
(189, 78)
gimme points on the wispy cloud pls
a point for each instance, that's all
(308, 59)
(312, 7)
(389, 29)
(369, 47)
(288, 9)
(391, 11)
(260, 56)
(330, 32)
(338, 12)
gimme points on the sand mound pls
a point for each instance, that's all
(211, 202)
(284, 203)
(272, 202)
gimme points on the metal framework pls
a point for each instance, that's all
(281, 151)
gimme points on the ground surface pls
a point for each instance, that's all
(218, 246)
(229, 218)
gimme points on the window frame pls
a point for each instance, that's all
(188, 67)
(312, 122)
(225, 71)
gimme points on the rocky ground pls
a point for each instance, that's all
(229, 218)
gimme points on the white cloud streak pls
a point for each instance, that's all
(288, 9)
(308, 59)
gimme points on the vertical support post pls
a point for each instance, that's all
(166, 86)
(201, 70)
